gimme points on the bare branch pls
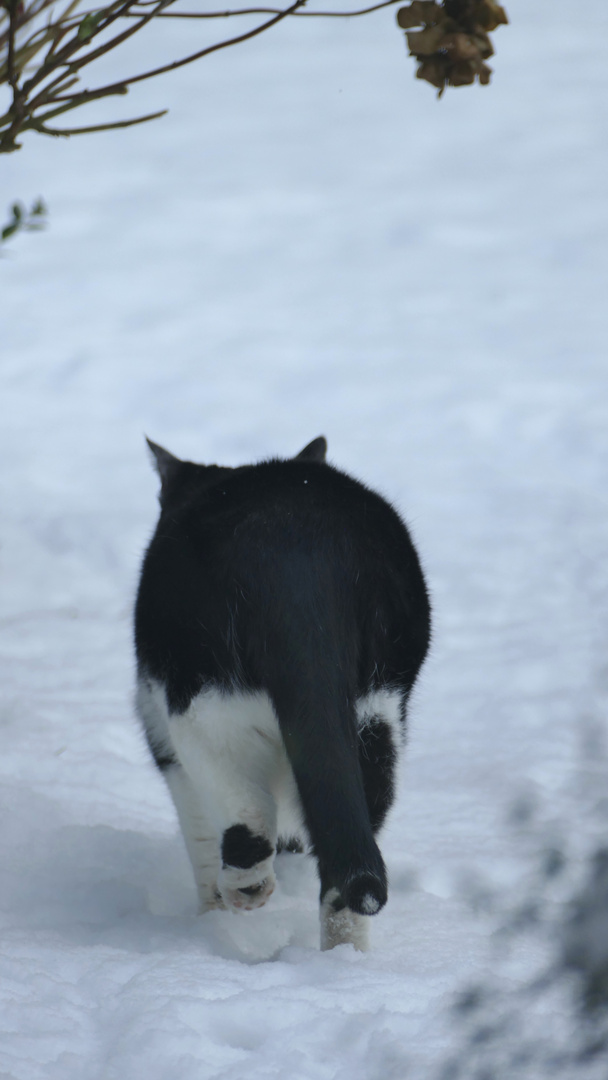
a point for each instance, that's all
(75, 45)
(71, 56)
(90, 95)
(118, 40)
(263, 11)
(73, 101)
(40, 126)
(220, 45)
(10, 62)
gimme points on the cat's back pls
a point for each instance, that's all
(281, 505)
(247, 562)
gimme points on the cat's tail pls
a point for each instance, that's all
(318, 723)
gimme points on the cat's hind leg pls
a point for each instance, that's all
(230, 748)
(197, 825)
(200, 837)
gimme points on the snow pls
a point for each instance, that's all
(309, 243)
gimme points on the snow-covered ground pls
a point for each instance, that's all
(309, 243)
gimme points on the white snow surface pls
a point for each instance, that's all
(308, 243)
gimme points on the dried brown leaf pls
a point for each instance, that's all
(420, 13)
(483, 43)
(460, 47)
(462, 73)
(454, 41)
(490, 14)
(434, 70)
(425, 42)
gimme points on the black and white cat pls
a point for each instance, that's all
(281, 621)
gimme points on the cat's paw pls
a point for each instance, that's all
(252, 896)
(340, 925)
(244, 890)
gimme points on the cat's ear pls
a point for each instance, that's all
(315, 451)
(165, 464)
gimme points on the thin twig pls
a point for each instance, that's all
(13, 78)
(74, 100)
(39, 126)
(62, 30)
(91, 95)
(262, 11)
(72, 46)
(51, 88)
(220, 45)
(44, 98)
(118, 40)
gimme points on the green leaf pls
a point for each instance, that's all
(89, 25)
(31, 220)
(8, 230)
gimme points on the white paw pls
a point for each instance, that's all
(244, 890)
(343, 927)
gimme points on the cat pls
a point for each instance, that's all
(281, 620)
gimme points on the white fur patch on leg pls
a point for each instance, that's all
(343, 927)
(199, 835)
(385, 705)
(370, 904)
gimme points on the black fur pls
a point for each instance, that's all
(163, 759)
(377, 758)
(293, 578)
(241, 848)
(291, 844)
